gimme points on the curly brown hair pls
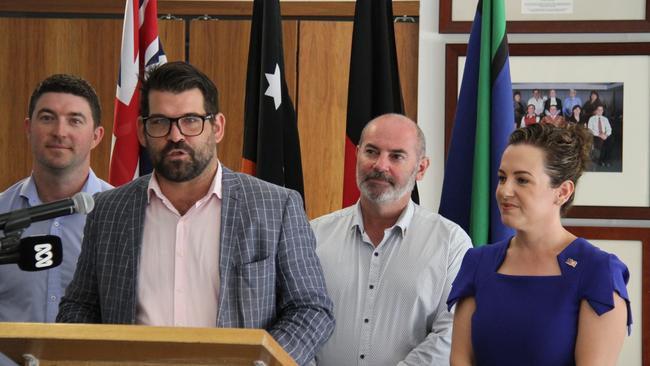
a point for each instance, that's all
(566, 151)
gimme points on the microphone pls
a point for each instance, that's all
(36, 253)
(81, 202)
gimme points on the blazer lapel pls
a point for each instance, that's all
(134, 244)
(230, 227)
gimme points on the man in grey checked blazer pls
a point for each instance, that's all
(269, 274)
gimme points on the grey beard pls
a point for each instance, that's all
(389, 195)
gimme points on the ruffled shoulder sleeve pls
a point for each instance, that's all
(605, 275)
(464, 285)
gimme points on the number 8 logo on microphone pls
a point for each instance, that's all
(43, 255)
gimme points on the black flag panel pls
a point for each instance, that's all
(271, 144)
(374, 87)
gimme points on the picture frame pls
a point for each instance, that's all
(628, 192)
(591, 20)
(615, 238)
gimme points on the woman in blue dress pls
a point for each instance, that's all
(542, 297)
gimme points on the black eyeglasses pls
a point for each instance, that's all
(190, 125)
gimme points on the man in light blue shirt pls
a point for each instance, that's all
(62, 128)
(571, 101)
(388, 262)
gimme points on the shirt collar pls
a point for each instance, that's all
(30, 192)
(93, 185)
(215, 187)
(402, 223)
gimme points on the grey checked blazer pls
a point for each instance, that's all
(270, 275)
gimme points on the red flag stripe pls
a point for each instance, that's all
(149, 28)
(140, 47)
(350, 190)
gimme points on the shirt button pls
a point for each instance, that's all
(52, 298)
(376, 254)
(56, 223)
(365, 320)
(371, 286)
(362, 357)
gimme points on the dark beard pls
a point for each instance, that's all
(179, 171)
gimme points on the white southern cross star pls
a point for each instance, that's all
(274, 90)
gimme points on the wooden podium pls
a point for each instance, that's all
(104, 345)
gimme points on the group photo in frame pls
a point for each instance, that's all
(613, 192)
(554, 16)
(596, 106)
(632, 246)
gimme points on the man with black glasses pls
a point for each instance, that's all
(195, 244)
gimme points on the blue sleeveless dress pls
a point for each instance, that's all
(533, 320)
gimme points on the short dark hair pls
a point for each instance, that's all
(69, 84)
(517, 92)
(566, 151)
(177, 77)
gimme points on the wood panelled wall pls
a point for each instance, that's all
(32, 49)
(317, 57)
(294, 8)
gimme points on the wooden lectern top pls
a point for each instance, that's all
(95, 344)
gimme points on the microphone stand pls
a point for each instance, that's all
(13, 230)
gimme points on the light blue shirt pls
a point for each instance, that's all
(569, 103)
(35, 296)
(389, 300)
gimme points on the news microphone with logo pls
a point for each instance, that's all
(36, 253)
(81, 202)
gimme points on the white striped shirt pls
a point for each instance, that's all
(389, 301)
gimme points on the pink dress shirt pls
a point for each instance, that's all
(178, 272)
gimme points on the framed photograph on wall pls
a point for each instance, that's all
(617, 186)
(554, 16)
(632, 246)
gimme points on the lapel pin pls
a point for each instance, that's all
(572, 262)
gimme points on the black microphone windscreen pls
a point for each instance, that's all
(40, 252)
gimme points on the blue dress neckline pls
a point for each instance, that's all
(533, 320)
(562, 259)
